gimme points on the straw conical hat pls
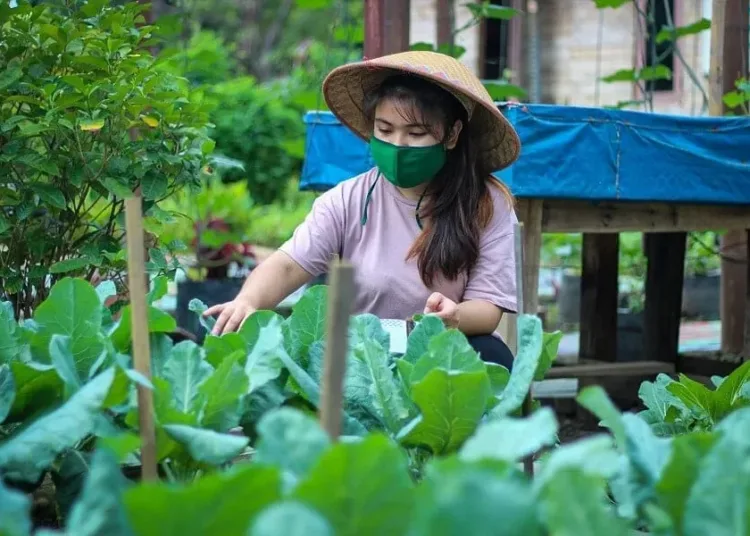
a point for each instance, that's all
(345, 87)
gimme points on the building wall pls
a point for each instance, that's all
(580, 44)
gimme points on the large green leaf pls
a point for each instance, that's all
(575, 504)
(221, 394)
(672, 34)
(511, 439)
(550, 345)
(657, 398)
(10, 343)
(61, 354)
(37, 389)
(15, 512)
(220, 503)
(420, 336)
(265, 338)
(292, 441)
(185, 370)
(72, 309)
(367, 327)
(306, 324)
(450, 386)
(469, 498)
(729, 394)
(290, 518)
(310, 390)
(158, 322)
(595, 400)
(99, 509)
(595, 456)
(26, 455)
(207, 446)
(218, 348)
(525, 365)
(361, 488)
(384, 394)
(696, 396)
(610, 3)
(680, 474)
(719, 501)
(7, 391)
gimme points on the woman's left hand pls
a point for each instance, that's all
(443, 308)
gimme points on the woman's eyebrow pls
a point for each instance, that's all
(409, 125)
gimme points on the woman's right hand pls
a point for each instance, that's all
(231, 315)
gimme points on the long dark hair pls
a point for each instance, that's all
(458, 204)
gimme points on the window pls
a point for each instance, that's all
(496, 43)
(655, 53)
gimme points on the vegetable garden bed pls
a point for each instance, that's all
(431, 440)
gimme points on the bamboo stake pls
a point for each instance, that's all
(528, 462)
(139, 328)
(340, 297)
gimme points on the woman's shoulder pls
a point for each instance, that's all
(503, 206)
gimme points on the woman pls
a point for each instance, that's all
(428, 229)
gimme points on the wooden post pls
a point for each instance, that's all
(522, 297)
(445, 18)
(664, 283)
(729, 53)
(396, 25)
(137, 285)
(374, 45)
(599, 292)
(341, 292)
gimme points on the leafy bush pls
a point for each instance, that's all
(255, 126)
(75, 85)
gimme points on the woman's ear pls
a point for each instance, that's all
(453, 135)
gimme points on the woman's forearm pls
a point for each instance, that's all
(477, 317)
(273, 280)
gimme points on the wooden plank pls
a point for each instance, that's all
(568, 216)
(599, 292)
(556, 388)
(664, 282)
(604, 369)
(702, 365)
(341, 290)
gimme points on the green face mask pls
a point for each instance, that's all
(407, 167)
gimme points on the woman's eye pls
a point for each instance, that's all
(384, 131)
(417, 134)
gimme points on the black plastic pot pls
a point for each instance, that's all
(629, 336)
(700, 297)
(210, 292)
(569, 299)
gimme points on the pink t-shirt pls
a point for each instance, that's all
(388, 285)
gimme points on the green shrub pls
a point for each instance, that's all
(256, 127)
(86, 117)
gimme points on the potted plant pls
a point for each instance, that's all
(701, 291)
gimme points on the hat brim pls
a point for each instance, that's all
(344, 90)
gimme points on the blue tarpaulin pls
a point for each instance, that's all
(571, 152)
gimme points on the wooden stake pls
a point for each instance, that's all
(341, 292)
(528, 462)
(139, 328)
